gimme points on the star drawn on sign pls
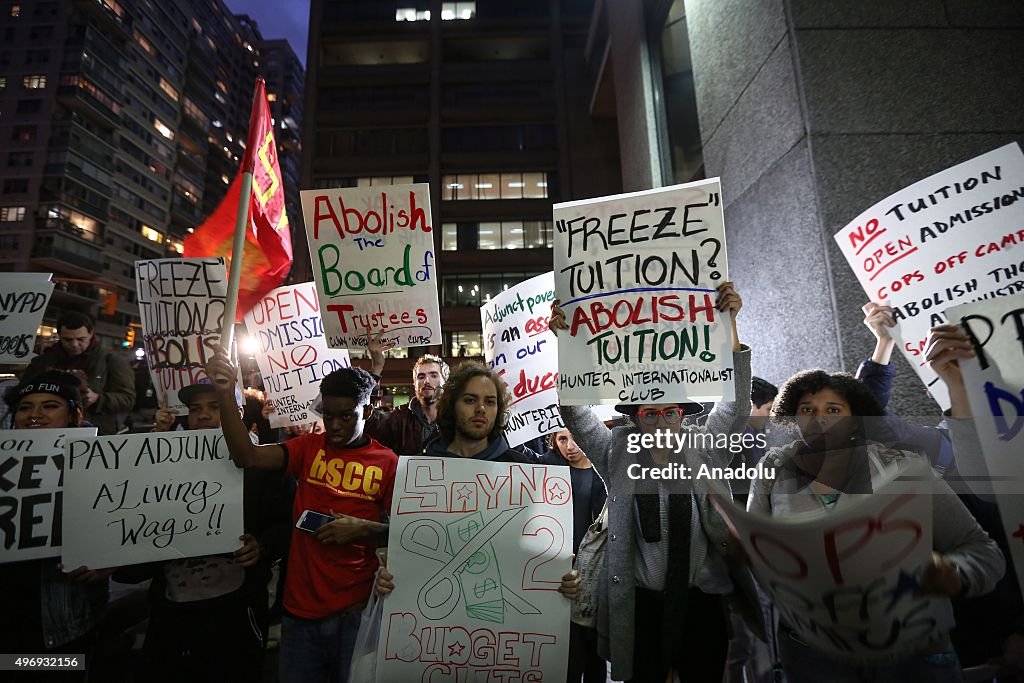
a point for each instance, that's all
(455, 649)
(555, 491)
(906, 583)
(1019, 533)
(462, 493)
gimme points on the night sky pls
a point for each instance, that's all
(289, 19)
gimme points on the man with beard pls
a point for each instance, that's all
(408, 427)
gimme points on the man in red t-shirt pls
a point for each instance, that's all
(341, 473)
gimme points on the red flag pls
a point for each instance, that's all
(268, 253)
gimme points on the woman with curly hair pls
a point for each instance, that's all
(833, 457)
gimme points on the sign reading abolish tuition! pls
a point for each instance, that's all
(995, 389)
(23, 299)
(31, 491)
(181, 303)
(372, 250)
(478, 550)
(519, 346)
(636, 275)
(292, 356)
(149, 497)
(951, 238)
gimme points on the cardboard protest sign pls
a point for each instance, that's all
(372, 250)
(845, 580)
(954, 237)
(149, 497)
(293, 355)
(23, 299)
(31, 491)
(519, 346)
(995, 388)
(181, 303)
(636, 275)
(478, 550)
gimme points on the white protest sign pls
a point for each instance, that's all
(372, 250)
(149, 497)
(181, 303)
(636, 275)
(951, 238)
(845, 580)
(478, 550)
(31, 491)
(23, 299)
(292, 354)
(995, 389)
(519, 346)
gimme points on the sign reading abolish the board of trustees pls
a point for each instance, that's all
(31, 491)
(149, 497)
(23, 299)
(372, 250)
(519, 346)
(478, 550)
(845, 581)
(292, 354)
(995, 389)
(636, 275)
(954, 237)
(181, 303)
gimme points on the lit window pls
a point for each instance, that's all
(224, 179)
(151, 234)
(163, 129)
(452, 11)
(176, 245)
(34, 82)
(15, 10)
(411, 14)
(3, 82)
(271, 97)
(169, 89)
(12, 214)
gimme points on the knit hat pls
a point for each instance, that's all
(55, 382)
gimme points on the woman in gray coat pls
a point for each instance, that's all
(668, 566)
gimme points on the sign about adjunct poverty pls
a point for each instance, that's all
(292, 355)
(23, 299)
(951, 238)
(32, 491)
(995, 389)
(519, 346)
(181, 303)
(372, 250)
(478, 550)
(845, 581)
(149, 497)
(636, 275)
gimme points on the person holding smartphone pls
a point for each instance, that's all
(341, 473)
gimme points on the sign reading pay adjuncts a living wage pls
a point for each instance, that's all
(952, 238)
(995, 389)
(181, 303)
(149, 497)
(23, 299)
(478, 550)
(292, 353)
(372, 250)
(32, 491)
(636, 275)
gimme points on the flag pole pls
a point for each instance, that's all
(227, 336)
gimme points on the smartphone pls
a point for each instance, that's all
(311, 521)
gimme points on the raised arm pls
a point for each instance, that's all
(243, 451)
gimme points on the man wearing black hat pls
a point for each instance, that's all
(667, 571)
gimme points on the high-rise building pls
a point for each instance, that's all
(482, 100)
(123, 123)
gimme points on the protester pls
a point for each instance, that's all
(588, 497)
(108, 382)
(833, 458)
(762, 396)
(45, 610)
(341, 473)
(668, 560)
(471, 417)
(208, 617)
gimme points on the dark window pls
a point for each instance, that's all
(16, 186)
(29, 106)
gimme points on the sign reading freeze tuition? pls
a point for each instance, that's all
(372, 250)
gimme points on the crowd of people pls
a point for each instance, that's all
(676, 597)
